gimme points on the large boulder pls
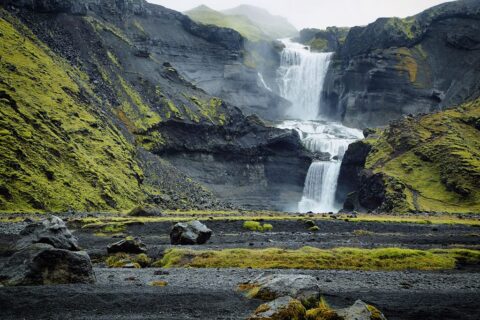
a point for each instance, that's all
(283, 308)
(52, 231)
(193, 232)
(358, 311)
(302, 287)
(127, 245)
(42, 264)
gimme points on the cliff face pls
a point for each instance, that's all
(425, 163)
(107, 85)
(394, 67)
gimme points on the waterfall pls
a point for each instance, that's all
(300, 79)
(261, 80)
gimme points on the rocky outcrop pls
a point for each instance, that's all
(47, 254)
(52, 231)
(417, 164)
(395, 67)
(193, 232)
(42, 264)
(328, 40)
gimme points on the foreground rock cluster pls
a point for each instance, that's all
(298, 297)
(47, 254)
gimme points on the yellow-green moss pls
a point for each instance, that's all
(120, 260)
(59, 153)
(136, 110)
(314, 258)
(322, 312)
(100, 26)
(257, 226)
(158, 283)
(432, 162)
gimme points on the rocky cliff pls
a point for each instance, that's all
(428, 163)
(394, 66)
(103, 109)
(328, 40)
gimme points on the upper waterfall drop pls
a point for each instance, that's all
(300, 79)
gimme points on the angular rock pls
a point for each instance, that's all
(127, 245)
(302, 287)
(193, 232)
(52, 231)
(283, 308)
(42, 264)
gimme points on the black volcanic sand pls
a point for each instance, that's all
(211, 293)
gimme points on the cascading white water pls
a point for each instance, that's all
(300, 78)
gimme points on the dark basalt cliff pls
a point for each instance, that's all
(395, 67)
(124, 88)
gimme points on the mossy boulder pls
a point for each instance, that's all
(283, 308)
(302, 287)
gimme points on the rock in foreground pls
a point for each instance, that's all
(284, 308)
(302, 287)
(193, 232)
(52, 231)
(47, 254)
(42, 264)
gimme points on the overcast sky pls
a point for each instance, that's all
(318, 13)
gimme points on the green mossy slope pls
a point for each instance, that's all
(430, 163)
(241, 24)
(58, 151)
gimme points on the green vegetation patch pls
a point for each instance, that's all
(57, 150)
(120, 260)
(431, 163)
(257, 226)
(239, 23)
(387, 259)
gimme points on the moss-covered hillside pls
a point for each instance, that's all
(73, 138)
(430, 163)
(241, 24)
(58, 152)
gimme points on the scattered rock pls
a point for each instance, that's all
(52, 231)
(145, 212)
(283, 308)
(128, 245)
(302, 287)
(193, 232)
(42, 264)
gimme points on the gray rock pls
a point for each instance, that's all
(128, 245)
(283, 308)
(193, 232)
(52, 231)
(298, 286)
(42, 264)
(360, 311)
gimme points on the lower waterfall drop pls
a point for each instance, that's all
(300, 78)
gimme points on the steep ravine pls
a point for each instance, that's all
(123, 75)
